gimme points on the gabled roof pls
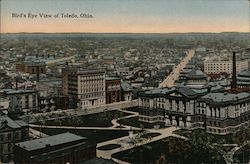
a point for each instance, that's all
(6, 121)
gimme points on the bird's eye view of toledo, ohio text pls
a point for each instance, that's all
(125, 81)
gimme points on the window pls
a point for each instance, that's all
(9, 147)
(1, 137)
(9, 136)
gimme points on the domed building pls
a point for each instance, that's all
(243, 79)
(196, 78)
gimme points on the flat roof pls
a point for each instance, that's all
(226, 97)
(50, 140)
(14, 91)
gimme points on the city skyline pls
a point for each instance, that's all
(130, 16)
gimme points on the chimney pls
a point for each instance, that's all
(37, 73)
(234, 82)
(16, 83)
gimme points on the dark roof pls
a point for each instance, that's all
(196, 74)
(112, 78)
(5, 120)
(245, 73)
(225, 99)
(51, 140)
(98, 161)
(126, 86)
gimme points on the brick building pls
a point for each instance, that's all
(113, 89)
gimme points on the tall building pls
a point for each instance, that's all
(113, 89)
(11, 132)
(216, 66)
(85, 87)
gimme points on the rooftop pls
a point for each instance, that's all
(5, 120)
(226, 97)
(51, 140)
(14, 91)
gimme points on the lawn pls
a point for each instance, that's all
(170, 150)
(91, 120)
(233, 138)
(242, 155)
(95, 136)
(134, 121)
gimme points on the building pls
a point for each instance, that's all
(243, 79)
(32, 67)
(49, 87)
(11, 132)
(217, 112)
(224, 112)
(4, 104)
(127, 91)
(21, 101)
(113, 89)
(215, 66)
(61, 148)
(86, 87)
(193, 78)
(169, 106)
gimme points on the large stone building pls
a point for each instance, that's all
(217, 112)
(11, 132)
(223, 112)
(61, 148)
(85, 87)
(216, 66)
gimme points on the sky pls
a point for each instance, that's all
(126, 16)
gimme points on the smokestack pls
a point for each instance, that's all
(37, 73)
(234, 82)
(16, 83)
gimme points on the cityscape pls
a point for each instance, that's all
(100, 97)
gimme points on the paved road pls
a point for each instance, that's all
(34, 117)
(36, 134)
(174, 75)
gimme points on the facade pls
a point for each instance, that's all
(49, 87)
(224, 112)
(11, 132)
(4, 104)
(224, 66)
(193, 78)
(113, 89)
(87, 87)
(61, 148)
(209, 108)
(169, 106)
(127, 91)
(21, 100)
(32, 68)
